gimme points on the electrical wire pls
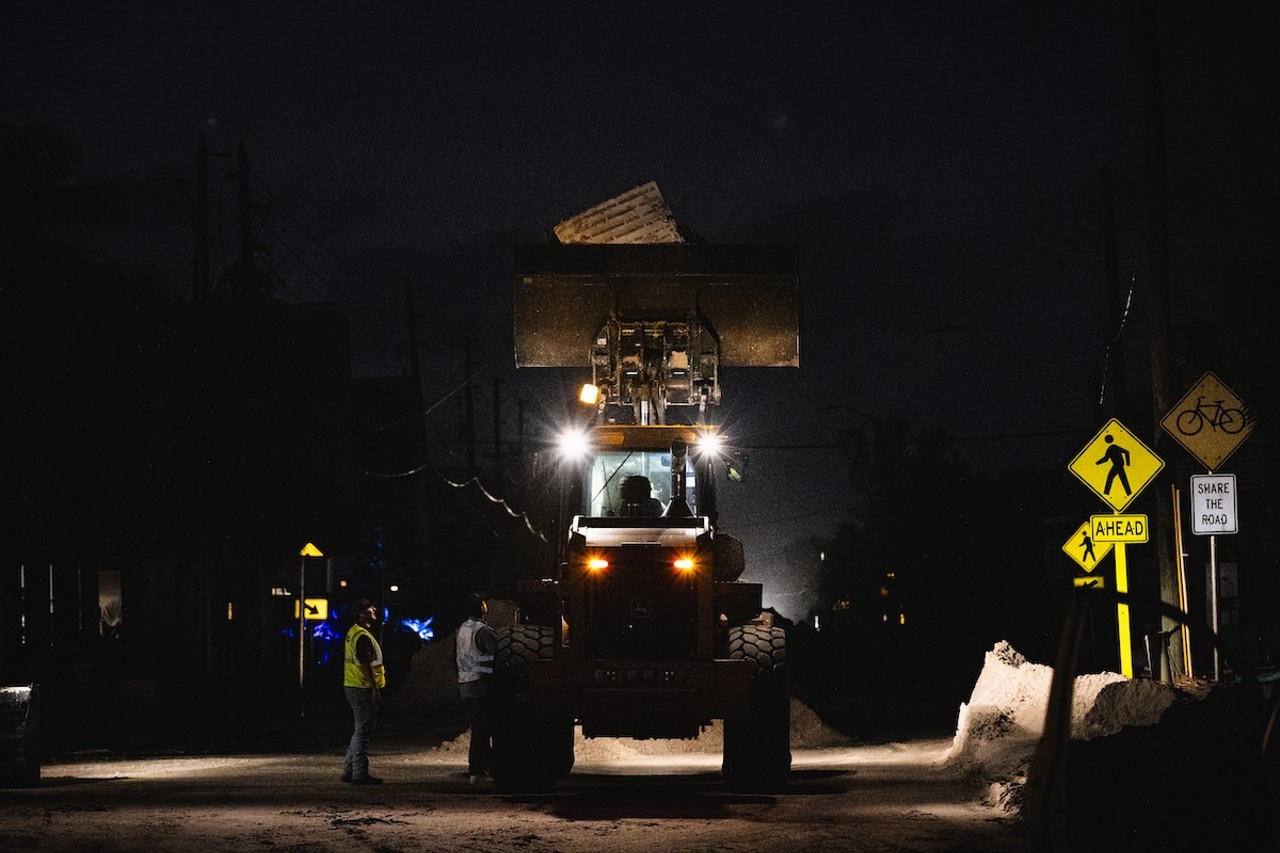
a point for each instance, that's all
(1114, 340)
(520, 516)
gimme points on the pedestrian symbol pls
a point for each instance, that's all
(1082, 548)
(1116, 465)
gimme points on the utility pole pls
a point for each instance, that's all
(202, 264)
(245, 210)
(200, 267)
(411, 314)
(468, 414)
(1114, 392)
(419, 417)
(497, 431)
(1157, 228)
(246, 281)
(520, 404)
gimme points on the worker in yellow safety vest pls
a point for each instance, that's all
(363, 677)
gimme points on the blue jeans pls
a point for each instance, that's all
(365, 713)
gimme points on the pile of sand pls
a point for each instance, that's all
(998, 728)
(807, 732)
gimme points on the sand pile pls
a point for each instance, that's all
(997, 729)
(807, 732)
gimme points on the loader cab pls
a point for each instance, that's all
(615, 478)
(617, 459)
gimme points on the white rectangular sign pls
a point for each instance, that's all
(1213, 504)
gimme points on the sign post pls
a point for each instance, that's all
(1213, 511)
(308, 550)
(1117, 466)
(1211, 431)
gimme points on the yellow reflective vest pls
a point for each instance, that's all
(353, 672)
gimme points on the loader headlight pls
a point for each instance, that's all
(709, 444)
(683, 564)
(597, 564)
(573, 444)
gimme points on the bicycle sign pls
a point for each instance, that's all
(1210, 421)
(1226, 418)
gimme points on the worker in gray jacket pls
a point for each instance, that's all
(477, 644)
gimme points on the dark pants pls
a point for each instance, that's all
(480, 719)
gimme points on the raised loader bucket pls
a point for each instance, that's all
(19, 735)
(748, 294)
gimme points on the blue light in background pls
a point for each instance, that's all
(421, 627)
(326, 631)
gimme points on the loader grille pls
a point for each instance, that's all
(641, 608)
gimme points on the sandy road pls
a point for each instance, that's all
(891, 797)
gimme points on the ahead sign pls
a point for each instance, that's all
(1213, 504)
(1119, 528)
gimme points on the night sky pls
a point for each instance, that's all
(937, 164)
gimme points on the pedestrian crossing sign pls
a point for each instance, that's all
(1116, 465)
(1084, 549)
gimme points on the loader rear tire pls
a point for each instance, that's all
(757, 745)
(529, 752)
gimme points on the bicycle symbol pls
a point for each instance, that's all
(1217, 416)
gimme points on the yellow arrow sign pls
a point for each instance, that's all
(1084, 549)
(317, 608)
(1116, 465)
(1089, 581)
(1119, 528)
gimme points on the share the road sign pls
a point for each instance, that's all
(1129, 529)
(1116, 465)
(1213, 504)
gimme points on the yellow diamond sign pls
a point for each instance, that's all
(1116, 465)
(1082, 548)
(1210, 422)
